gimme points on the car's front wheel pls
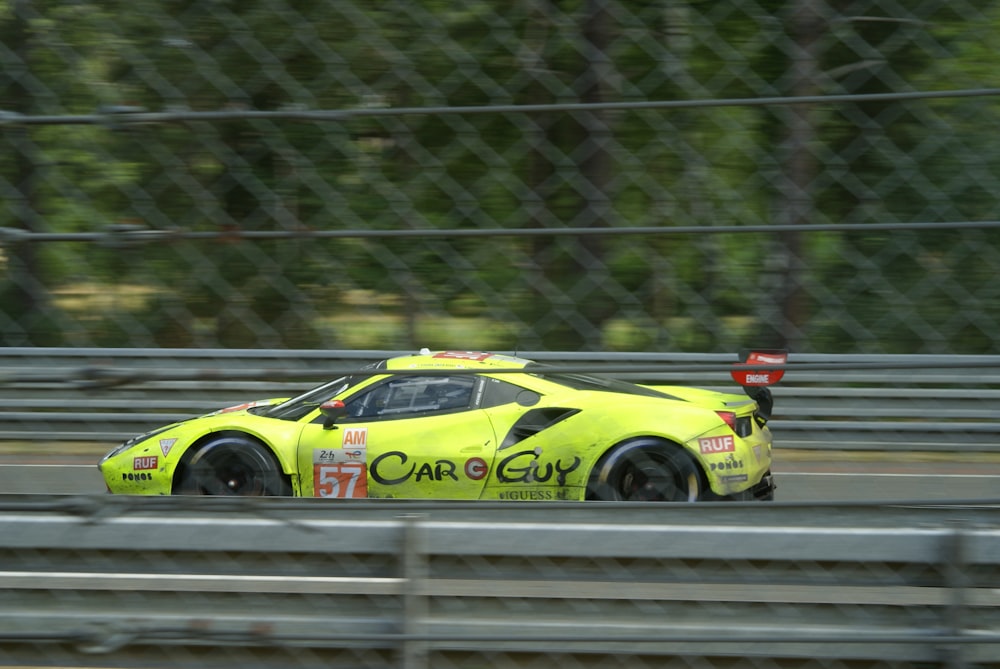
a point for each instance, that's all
(646, 471)
(231, 465)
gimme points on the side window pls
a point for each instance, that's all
(497, 393)
(408, 396)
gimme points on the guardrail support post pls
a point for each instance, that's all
(413, 648)
(956, 580)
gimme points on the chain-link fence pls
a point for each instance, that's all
(587, 174)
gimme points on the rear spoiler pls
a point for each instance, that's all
(756, 370)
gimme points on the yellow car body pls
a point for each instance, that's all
(461, 425)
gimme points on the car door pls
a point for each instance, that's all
(403, 437)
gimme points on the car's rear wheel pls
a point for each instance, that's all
(646, 471)
(231, 465)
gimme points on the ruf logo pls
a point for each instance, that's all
(716, 445)
(145, 462)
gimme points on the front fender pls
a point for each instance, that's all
(147, 465)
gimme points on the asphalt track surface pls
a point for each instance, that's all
(801, 477)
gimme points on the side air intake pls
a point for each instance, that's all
(534, 422)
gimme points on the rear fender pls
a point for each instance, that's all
(622, 450)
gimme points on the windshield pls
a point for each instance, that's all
(585, 382)
(303, 405)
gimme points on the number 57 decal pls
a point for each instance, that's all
(345, 480)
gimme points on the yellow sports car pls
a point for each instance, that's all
(465, 425)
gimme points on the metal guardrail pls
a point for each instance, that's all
(905, 402)
(119, 582)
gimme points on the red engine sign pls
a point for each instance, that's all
(760, 376)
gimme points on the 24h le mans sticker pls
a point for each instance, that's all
(342, 472)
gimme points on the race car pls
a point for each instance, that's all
(471, 425)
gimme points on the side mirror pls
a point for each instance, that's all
(332, 411)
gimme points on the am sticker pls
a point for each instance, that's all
(355, 437)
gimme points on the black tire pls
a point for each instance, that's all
(646, 471)
(231, 465)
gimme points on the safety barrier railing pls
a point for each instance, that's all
(117, 582)
(855, 402)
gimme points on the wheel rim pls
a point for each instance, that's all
(653, 476)
(226, 470)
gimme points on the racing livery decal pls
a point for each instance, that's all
(341, 472)
(728, 465)
(166, 445)
(524, 467)
(355, 437)
(145, 462)
(395, 468)
(463, 355)
(709, 445)
(476, 469)
(537, 494)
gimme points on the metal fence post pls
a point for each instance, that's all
(413, 649)
(955, 580)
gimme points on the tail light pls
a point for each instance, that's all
(741, 425)
(729, 418)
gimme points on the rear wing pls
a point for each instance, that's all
(759, 368)
(756, 370)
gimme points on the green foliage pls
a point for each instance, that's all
(863, 161)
